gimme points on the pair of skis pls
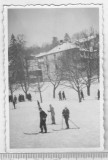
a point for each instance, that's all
(62, 129)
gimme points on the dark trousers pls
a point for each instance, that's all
(53, 119)
(60, 98)
(14, 105)
(66, 121)
(98, 96)
(43, 125)
(64, 97)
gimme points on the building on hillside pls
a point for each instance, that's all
(46, 61)
(35, 72)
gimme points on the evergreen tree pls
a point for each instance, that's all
(67, 38)
(13, 64)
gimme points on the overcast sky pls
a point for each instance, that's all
(40, 25)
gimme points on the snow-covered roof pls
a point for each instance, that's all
(83, 49)
(86, 39)
(41, 54)
(59, 48)
(65, 46)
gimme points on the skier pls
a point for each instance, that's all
(98, 94)
(14, 101)
(60, 96)
(43, 116)
(82, 95)
(65, 114)
(63, 95)
(52, 114)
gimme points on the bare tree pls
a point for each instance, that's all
(87, 41)
(24, 75)
(54, 73)
(71, 68)
(39, 85)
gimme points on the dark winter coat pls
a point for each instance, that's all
(65, 113)
(43, 115)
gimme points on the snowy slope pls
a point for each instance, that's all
(25, 119)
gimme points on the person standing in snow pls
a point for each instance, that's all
(98, 94)
(43, 116)
(14, 104)
(60, 96)
(82, 95)
(52, 114)
(63, 95)
(14, 101)
(65, 114)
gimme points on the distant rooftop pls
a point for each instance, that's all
(64, 46)
(59, 48)
(86, 39)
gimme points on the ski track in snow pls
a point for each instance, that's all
(25, 119)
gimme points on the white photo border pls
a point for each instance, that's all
(7, 132)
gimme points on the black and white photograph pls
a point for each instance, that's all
(55, 77)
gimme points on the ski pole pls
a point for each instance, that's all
(74, 123)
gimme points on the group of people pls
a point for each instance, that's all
(62, 95)
(65, 112)
(29, 97)
(43, 116)
(82, 94)
(21, 98)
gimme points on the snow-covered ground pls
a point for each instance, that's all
(24, 121)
